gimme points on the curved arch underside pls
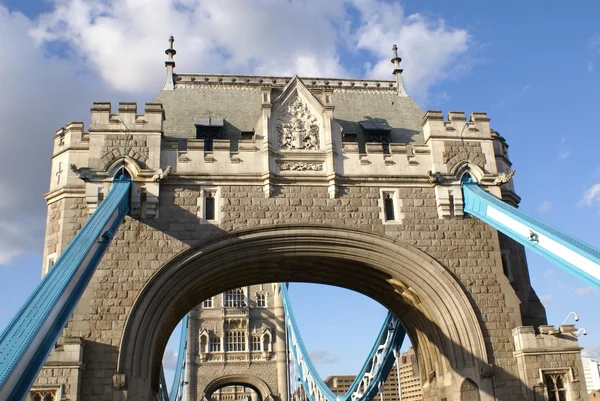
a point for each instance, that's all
(431, 304)
(253, 382)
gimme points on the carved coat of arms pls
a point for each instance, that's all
(298, 128)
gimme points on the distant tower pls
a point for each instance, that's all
(237, 347)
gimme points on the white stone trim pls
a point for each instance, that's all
(397, 202)
(57, 389)
(201, 203)
(50, 260)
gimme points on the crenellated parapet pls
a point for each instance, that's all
(85, 163)
(456, 126)
(549, 357)
(127, 118)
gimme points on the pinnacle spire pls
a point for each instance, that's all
(398, 72)
(170, 64)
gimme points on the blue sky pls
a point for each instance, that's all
(532, 66)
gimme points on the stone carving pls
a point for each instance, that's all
(504, 178)
(161, 174)
(119, 145)
(435, 178)
(301, 166)
(298, 129)
(84, 173)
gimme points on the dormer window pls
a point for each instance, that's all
(377, 130)
(208, 129)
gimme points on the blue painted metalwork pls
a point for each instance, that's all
(176, 392)
(576, 257)
(163, 394)
(372, 375)
(32, 333)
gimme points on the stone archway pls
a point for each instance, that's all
(430, 302)
(253, 382)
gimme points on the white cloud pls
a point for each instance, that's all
(563, 154)
(120, 39)
(546, 299)
(587, 290)
(591, 195)
(36, 93)
(95, 50)
(592, 351)
(123, 40)
(323, 356)
(545, 207)
(430, 50)
(169, 360)
(590, 66)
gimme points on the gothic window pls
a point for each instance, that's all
(236, 341)
(388, 205)
(209, 205)
(234, 298)
(215, 344)
(44, 395)
(261, 301)
(208, 303)
(255, 343)
(556, 386)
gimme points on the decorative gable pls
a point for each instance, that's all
(298, 119)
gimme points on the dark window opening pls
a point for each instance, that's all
(388, 205)
(451, 201)
(208, 129)
(209, 206)
(377, 130)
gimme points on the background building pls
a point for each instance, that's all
(591, 370)
(410, 381)
(236, 346)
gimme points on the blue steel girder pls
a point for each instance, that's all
(176, 392)
(373, 373)
(32, 333)
(574, 256)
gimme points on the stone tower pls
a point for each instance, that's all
(237, 347)
(241, 180)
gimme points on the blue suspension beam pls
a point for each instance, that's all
(32, 333)
(373, 374)
(574, 256)
(176, 393)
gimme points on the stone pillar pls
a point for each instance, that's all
(280, 344)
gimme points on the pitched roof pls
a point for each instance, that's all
(237, 100)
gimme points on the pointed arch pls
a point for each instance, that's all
(126, 162)
(463, 167)
(469, 391)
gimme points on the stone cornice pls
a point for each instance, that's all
(240, 81)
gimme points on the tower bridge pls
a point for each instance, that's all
(226, 182)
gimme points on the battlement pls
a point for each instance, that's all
(127, 119)
(71, 136)
(547, 339)
(456, 125)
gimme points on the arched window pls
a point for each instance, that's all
(469, 391)
(261, 301)
(234, 298)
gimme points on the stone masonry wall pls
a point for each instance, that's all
(467, 247)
